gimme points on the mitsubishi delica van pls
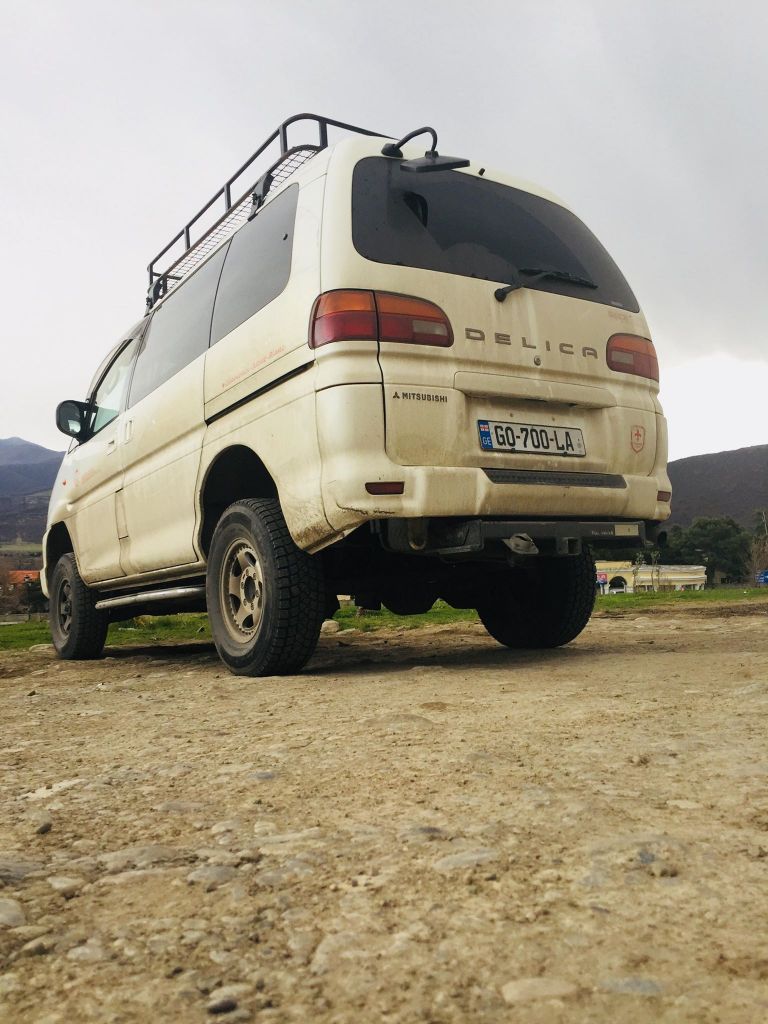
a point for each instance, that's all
(375, 371)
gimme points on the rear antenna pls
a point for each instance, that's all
(431, 161)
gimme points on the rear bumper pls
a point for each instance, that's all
(440, 492)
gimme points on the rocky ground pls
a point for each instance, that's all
(423, 827)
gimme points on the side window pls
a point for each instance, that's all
(258, 264)
(107, 399)
(179, 329)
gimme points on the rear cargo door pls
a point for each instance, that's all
(525, 383)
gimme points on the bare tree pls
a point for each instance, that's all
(7, 596)
(758, 557)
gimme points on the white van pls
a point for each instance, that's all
(380, 372)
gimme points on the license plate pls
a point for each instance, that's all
(531, 438)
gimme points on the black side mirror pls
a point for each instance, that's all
(72, 419)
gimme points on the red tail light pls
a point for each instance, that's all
(378, 316)
(628, 353)
(343, 316)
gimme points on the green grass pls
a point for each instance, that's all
(145, 631)
(22, 548)
(148, 631)
(615, 604)
(440, 614)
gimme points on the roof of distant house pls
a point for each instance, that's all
(20, 576)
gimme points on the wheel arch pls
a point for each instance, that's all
(236, 472)
(58, 542)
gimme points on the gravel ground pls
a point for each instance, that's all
(423, 827)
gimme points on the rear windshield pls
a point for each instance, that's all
(458, 224)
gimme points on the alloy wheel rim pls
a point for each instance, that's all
(242, 591)
(65, 607)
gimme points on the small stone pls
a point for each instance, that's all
(27, 932)
(330, 626)
(226, 826)
(139, 857)
(66, 886)
(227, 998)
(528, 990)
(38, 947)
(265, 776)
(11, 914)
(91, 951)
(41, 822)
(222, 1005)
(211, 876)
(663, 869)
(41, 647)
(15, 869)
(632, 986)
(467, 859)
(423, 833)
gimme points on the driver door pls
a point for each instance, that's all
(96, 475)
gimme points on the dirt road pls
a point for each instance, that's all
(423, 827)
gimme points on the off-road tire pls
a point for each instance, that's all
(78, 630)
(546, 605)
(266, 597)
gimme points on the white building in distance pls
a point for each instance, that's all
(627, 578)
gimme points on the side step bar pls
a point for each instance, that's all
(150, 596)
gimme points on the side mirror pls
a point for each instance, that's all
(72, 419)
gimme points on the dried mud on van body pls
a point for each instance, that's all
(423, 827)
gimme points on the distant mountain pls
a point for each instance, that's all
(16, 451)
(723, 484)
(26, 468)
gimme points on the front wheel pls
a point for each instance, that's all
(266, 598)
(78, 629)
(545, 605)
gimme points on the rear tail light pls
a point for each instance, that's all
(628, 353)
(342, 316)
(378, 316)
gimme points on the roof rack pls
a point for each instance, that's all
(183, 253)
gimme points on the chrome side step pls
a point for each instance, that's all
(146, 596)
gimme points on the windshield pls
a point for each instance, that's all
(456, 223)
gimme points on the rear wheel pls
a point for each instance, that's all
(266, 598)
(546, 605)
(78, 630)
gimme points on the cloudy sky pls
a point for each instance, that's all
(648, 118)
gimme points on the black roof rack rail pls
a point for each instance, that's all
(182, 254)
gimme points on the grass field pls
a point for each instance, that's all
(151, 630)
(22, 548)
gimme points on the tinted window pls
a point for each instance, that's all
(258, 264)
(179, 329)
(108, 398)
(458, 224)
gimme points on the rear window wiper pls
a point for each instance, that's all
(540, 274)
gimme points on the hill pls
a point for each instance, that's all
(731, 483)
(26, 468)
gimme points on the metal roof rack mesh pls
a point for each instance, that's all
(199, 237)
